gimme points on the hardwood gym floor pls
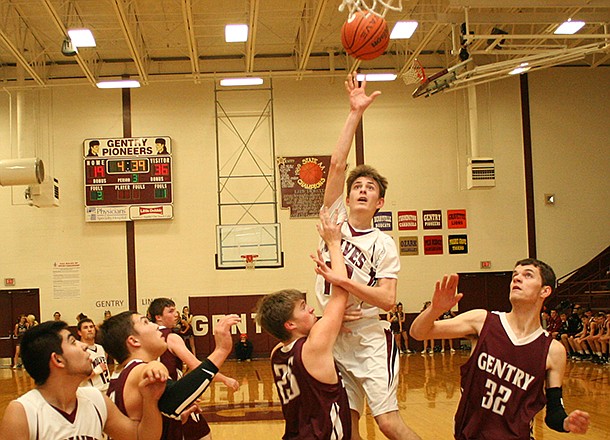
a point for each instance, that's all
(428, 395)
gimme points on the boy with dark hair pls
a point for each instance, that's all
(162, 311)
(314, 401)
(59, 408)
(135, 343)
(515, 367)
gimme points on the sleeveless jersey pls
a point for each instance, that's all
(101, 379)
(502, 383)
(196, 426)
(169, 359)
(47, 422)
(369, 255)
(312, 409)
(116, 389)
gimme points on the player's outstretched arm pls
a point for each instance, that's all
(181, 394)
(359, 102)
(445, 297)
(317, 350)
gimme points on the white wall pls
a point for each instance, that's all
(420, 145)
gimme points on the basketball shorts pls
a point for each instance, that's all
(369, 360)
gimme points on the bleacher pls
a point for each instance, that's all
(588, 285)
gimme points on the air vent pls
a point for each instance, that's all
(481, 173)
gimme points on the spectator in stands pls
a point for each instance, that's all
(553, 323)
(574, 327)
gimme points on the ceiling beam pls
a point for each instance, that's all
(252, 28)
(313, 27)
(15, 27)
(84, 65)
(132, 35)
(189, 24)
(530, 3)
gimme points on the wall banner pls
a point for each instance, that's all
(383, 220)
(302, 184)
(433, 245)
(456, 218)
(432, 219)
(407, 220)
(458, 244)
(409, 245)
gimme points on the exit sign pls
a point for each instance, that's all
(9, 281)
(485, 264)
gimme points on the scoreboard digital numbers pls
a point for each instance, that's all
(128, 179)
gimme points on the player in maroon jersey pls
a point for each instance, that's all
(135, 343)
(314, 401)
(515, 368)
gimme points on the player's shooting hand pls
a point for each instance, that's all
(358, 99)
(222, 332)
(445, 296)
(577, 422)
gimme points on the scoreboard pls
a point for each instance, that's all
(128, 179)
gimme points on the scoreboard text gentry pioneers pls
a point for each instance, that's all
(128, 179)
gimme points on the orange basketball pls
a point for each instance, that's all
(310, 173)
(365, 36)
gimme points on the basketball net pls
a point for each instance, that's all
(414, 74)
(249, 260)
(379, 7)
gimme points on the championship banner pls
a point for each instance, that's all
(432, 219)
(302, 183)
(458, 244)
(128, 179)
(383, 221)
(433, 245)
(456, 218)
(409, 245)
(407, 220)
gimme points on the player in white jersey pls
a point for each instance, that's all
(46, 422)
(58, 409)
(100, 378)
(366, 355)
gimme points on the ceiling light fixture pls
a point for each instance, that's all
(119, 84)
(231, 82)
(236, 33)
(403, 30)
(371, 77)
(81, 37)
(569, 27)
(523, 67)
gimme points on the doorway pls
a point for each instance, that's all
(15, 302)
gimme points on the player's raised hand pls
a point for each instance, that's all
(577, 422)
(328, 228)
(222, 332)
(445, 293)
(358, 99)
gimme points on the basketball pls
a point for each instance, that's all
(365, 36)
(310, 173)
